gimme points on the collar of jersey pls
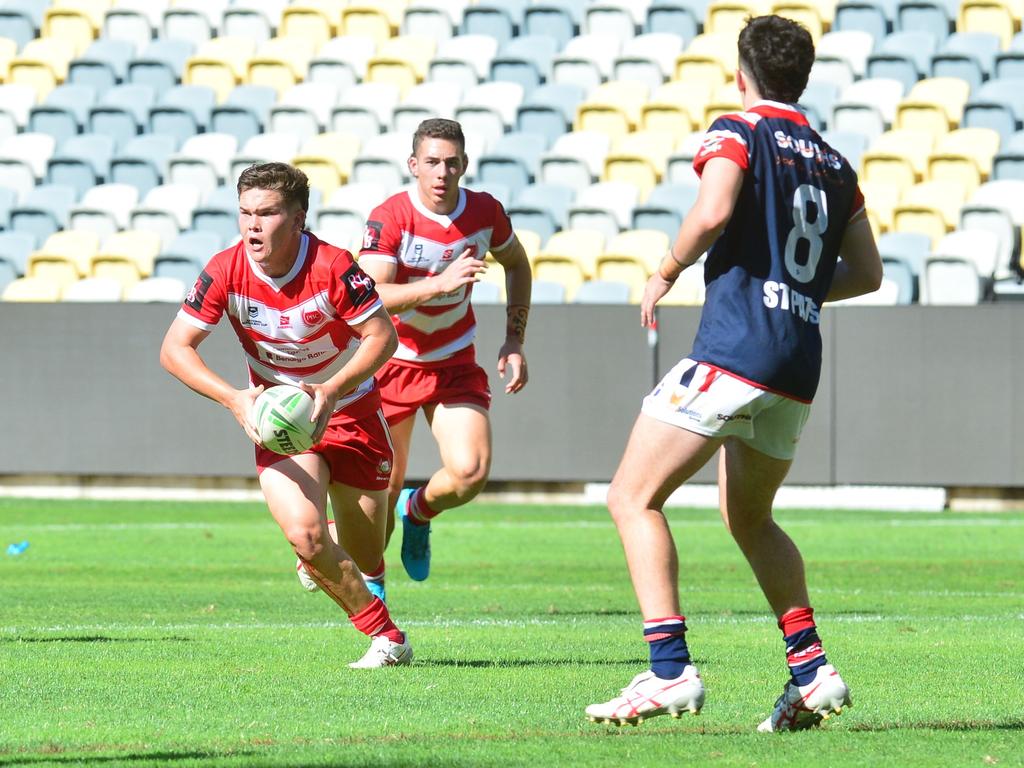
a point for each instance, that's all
(277, 283)
(762, 104)
(445, 220)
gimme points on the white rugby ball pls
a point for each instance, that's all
(281, 415)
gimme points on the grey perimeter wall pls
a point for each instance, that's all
(909, 395)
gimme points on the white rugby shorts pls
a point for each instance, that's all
(712, 402)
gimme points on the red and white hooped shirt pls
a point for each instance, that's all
(402, 231)
(293, 328)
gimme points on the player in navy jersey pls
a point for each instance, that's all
(784, 220)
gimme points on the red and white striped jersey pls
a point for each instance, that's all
(401, 230)
(293, 328)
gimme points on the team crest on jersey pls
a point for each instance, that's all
(312, 317)
(384, 467)
(358, 285)
(198, 293)
(371, 235)
(252, 317)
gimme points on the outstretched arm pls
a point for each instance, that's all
(179, 355)
(720, 187)
(518, 285)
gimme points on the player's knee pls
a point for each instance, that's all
(308, 541)
(469, 477)
(619, 502)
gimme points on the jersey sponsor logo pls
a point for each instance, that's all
(781, 297)
(312, 317)
(253, 317)
(726, 417)
(447, 255)
(713, 141)
(371, 235)
(286, 321)
(358, 285)
(198, 293)
(808, 148)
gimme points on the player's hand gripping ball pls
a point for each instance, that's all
(281, 416)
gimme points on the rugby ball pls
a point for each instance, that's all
(281, 416)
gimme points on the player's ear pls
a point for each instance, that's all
(413, 165)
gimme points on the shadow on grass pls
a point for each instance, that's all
(942, 725)
(95, 639)
(75, 757)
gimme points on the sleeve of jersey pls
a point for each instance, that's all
(206, 302)
(858, 208)
(353, 292)
(502, 234)
(382, 237)
(729, 137)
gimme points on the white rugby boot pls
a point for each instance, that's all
(805, 706)
(649, 696)
(385, 653)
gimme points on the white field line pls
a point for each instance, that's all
(971, 522)
(443, 623)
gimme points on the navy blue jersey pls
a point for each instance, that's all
(770, 270)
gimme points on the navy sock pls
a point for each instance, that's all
(804, 653)
(667, 638)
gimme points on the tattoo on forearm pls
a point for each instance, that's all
(515, 325)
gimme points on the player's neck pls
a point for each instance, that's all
(281, 263)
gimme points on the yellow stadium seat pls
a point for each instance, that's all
(495, 274)
(888, 168)
(579, 246)
(394, 10)
(806, 13)
(624, 269)
(648, 245)
(624, 96)
(66, 253)
(138, 248)
(530, 241)
(396, 72)
(604, 118)
(213, 73)
(8, 50)
(563, 270)
(912, 146)
(340, 148)
(991, 16)
(53, 268)
(727, 17)
(642, 170)
(717, 109)
(124, 271)
(234, 51)
(661, 112)
(366, 21)
(42, 64)
(931, 207)
(32, 289)
(93, 10)
(307, 22)
(295, 52)
(71, 26)
(331, 9)
(935, 104)
(322, 172)
(709, 58)
(273, 73)
(34, 73)
(880, 199)
(656, 146)
(979, 145)
(418, 50)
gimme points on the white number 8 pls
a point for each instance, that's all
(811, 231)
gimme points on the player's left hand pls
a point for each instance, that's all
(512, 359)
(324, 400)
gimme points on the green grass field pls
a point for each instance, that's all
(177, 634)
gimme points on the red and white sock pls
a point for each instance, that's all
(377, 574)
(418, 511)
(375, 620)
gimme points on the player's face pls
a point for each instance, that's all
(270, 230)
(437, 166)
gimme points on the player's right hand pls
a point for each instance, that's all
(655, 289)
(463, 271)
(240, 405)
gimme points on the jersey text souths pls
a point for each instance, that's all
(770, 270)
(402, 231)
(293, 328)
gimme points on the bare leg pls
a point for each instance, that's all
(361, 516)
(401, 439)
(463, 434)
(296, 492)
(748, 481)
(658, 459)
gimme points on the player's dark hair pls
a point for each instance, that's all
(778, 54)
(439, 128)
(289, 181)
